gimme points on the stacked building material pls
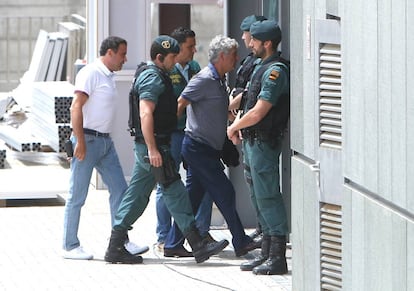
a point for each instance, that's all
(50, 112)
(18, 139)
(75, 47)
(53, 58)
(2, 157)
(4, 102)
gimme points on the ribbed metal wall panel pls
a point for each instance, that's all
(330, 103)
(331, 246)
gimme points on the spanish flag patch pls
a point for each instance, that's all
(273, 75)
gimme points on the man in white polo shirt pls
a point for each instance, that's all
(92, 114)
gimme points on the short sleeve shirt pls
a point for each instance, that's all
(98, 83)
(208, 108)
(275, 83)
(179, 78)
(149, 84)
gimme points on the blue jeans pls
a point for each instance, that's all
(203, 215)
(205, 173)
(101, 155)
(175, 238)
(164, 223)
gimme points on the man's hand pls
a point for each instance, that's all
(80, 150)
(155, 158)
(236, 139)
(233, 135)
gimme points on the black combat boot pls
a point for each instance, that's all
(257, 236)
(116, 252)
(209, 238)
(257, 232)
(276, 263)
(202, 248)
(263, 256)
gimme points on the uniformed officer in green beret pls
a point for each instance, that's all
(262, 124)
(247, 64)
(243, 75)
(153, 110)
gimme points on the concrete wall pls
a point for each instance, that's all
(42, 7)
(20, 22)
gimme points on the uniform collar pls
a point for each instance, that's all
(271, 58)
(181, 68)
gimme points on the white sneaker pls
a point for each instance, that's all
(135, 249)
(77, 254)
(160, 247)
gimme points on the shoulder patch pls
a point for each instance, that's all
(273, 75)
(175, 78)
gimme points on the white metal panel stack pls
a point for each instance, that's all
(4, 101)
(53, 57)
(2, 156)
(18, 139)
(50, 114)
(44, 89)
(48, 64)
(75, 47)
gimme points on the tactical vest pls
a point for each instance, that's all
(165, 113)
(245, 71)
(272, 126)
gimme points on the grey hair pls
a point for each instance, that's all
(220, 44)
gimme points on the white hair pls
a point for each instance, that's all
(220, 44)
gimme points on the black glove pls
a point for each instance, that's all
(167, 173)
(230, 154)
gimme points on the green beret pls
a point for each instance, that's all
(266, 30)
(169, 44)
(249, 20)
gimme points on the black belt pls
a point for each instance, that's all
(94, 132)
(160, 140)
(254, 135)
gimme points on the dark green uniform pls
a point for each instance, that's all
(262, 145)
(151, 83)
(150, 86)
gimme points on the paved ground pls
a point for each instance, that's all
(30, 254)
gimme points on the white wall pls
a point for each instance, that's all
(377, 137)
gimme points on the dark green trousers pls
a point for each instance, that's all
(261, 171)
(136, 197)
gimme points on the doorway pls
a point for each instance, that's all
(205, 18)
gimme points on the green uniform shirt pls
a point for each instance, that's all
(149, 84)
(275, 83)
(179, 82)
